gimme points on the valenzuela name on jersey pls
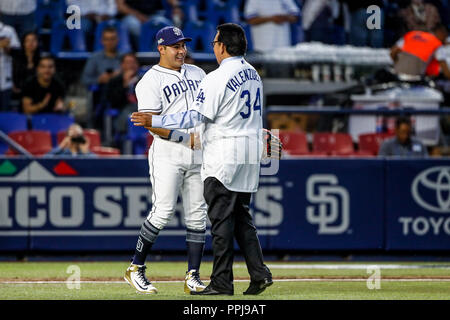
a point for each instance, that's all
(241, 77)
(180, 87)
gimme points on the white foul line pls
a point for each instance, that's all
(349, 266)
(275, 281)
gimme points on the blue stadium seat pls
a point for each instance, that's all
(223, 11)
(148, 33)
(51, 122)
(124, 45)
(168, 9)
(191, 10)
(53, 9)
(248, 35)
(60, 32)
(138, 137)
(11, 121)
(201, 32)
(109, 114)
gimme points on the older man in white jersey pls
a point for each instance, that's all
(229, 107)
(166, 88)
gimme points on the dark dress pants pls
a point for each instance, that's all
(230, 218)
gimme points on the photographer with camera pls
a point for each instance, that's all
(74, 144)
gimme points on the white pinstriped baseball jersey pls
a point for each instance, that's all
(166, 91)
(228, 109)
(172, 166)
(231, 97)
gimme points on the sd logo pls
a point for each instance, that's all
(324, 192)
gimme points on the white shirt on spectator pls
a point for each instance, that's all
(443, 54)
(5, 58)
(270, 35)
(100, 7)
(17, 7)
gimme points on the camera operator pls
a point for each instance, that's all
(74, 144)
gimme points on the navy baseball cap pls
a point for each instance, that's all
(170, 35)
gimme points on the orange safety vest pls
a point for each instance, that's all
(423, 45)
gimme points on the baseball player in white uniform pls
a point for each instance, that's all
(229, 108)
(170, 87)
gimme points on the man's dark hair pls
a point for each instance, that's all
(402, 120)
(233, 37)
(47, 57)
(128, 54)
(109, 29)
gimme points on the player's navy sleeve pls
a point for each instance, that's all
(180, 120)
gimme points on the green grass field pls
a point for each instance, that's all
(292, 281)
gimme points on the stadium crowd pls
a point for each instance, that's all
(114, 30)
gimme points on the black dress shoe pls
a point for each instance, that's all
(209, 291)
(256, 287)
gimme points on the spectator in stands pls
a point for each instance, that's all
(43, 93)
(420, 16)
(101, 67)
(8, 42)
(360, 35)
(318, 20)
(74, 144)
(120, 92)
(137, 12)
(403, 144)
(20, 14)
(418, 53)
(270, 22)
(25, 61)
(92, 13)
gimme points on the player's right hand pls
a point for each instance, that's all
(141, 119)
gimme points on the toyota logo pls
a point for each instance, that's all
(431, 189)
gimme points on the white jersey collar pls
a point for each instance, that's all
(174, 72)
(230, 59)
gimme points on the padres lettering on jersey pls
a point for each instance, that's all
(173, 90)
(166, 91)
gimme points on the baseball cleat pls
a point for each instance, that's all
(192, 282)
(135, 276)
